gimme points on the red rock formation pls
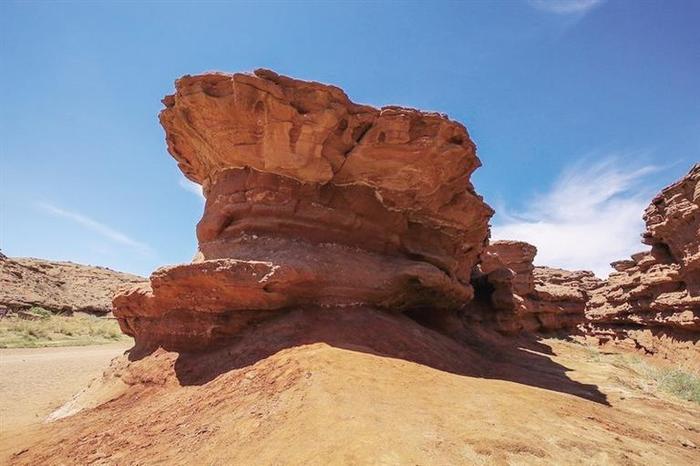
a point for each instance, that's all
(561, 296)
(519, 296)
(312, 200)
(652, 301)
(673, 223)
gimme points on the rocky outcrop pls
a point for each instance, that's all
(312, 200)
(62, 287)
(673, 225)
(561, 296)
(316, 202)
(282, 157)
(652, 301)
(515, 296)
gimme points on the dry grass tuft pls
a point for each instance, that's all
(681, 382)
(43, 329)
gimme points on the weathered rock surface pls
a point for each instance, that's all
(312, 200)
(517, 296)
(207, 303)
(561, 296)
(308, 160)
(673, 223)
(59, 286)
(652, 301)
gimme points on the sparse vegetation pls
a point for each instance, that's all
(40, 328)
(677, 381)
(681, 382)
(40, 312)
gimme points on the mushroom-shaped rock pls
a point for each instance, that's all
(311, 200)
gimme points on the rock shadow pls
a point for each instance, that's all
(481, 354)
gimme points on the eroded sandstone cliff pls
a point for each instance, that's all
(652, 301)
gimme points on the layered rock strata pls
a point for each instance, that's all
(673, 224)
(312, 200)
(561, 297)
(517, 296)
(652, 300)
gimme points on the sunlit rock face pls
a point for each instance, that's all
(673, 224)
(311, 200)
(652, 301)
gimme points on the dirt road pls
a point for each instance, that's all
(36, 381)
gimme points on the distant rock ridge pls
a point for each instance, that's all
(311, 201)
(62, 287)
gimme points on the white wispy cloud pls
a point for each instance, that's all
(565, 7)
(192, 187)
(591, 216)
(93, 225)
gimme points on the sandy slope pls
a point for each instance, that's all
(369, 388)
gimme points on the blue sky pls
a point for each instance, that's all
(581, 110)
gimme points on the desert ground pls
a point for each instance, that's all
(543, 401)
(36, 381)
